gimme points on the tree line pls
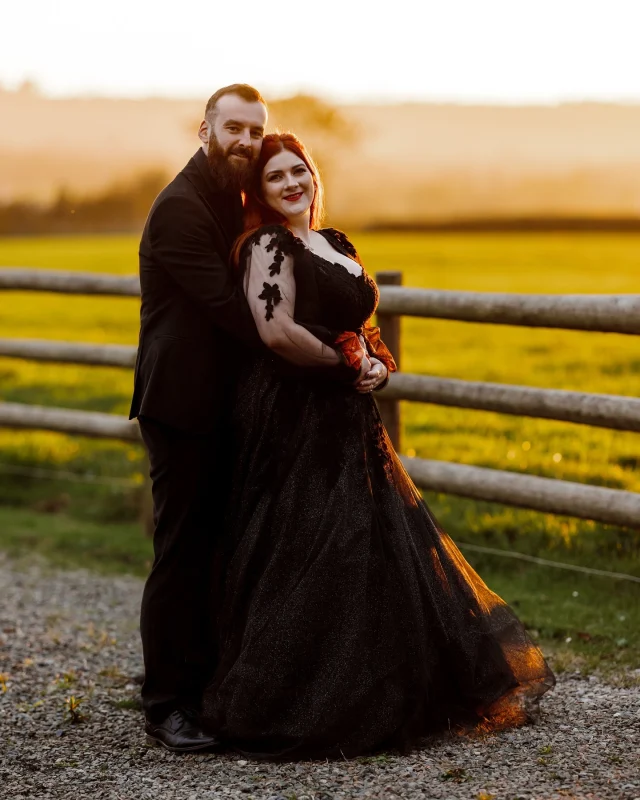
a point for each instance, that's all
(122, 207)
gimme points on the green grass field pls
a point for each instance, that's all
(553, 263)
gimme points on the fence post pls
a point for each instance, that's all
(390, 334)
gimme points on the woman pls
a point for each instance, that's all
(350, 622)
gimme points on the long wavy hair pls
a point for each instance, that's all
(256, 211)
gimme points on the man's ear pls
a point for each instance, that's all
(203, 133)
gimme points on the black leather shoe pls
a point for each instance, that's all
(180, 733)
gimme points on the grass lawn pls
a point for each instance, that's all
(92, 520)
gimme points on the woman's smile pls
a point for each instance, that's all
(287, 185)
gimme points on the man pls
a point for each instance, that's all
(194, 324)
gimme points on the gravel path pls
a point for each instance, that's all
(74, 634)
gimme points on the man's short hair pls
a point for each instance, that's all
(243, 90)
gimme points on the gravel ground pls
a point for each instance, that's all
(74, 635)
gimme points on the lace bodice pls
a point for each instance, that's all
(327, 293)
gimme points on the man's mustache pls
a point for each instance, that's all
(246, 152)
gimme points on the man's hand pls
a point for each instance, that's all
(376, 375)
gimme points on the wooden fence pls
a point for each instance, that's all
(604, 313)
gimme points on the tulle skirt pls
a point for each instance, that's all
(350, 621)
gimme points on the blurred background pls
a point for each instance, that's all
(481, 147)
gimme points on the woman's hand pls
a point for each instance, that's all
(375, 376)
(365, 368)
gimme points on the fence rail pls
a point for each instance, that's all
(98, 355)
(611, 506)
(61, 281)
(599, 410)
(604, 313)
(95, 424)
(579, 312)
(610, 313)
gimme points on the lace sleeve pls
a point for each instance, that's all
(270, 288)
(271, 254)
(268, 281)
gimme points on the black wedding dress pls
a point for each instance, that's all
(351, 622)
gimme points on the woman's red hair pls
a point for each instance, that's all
(256, 211)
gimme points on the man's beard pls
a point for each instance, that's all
(230, 175)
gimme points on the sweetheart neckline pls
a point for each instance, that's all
(356, 275)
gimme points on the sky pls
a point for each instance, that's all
(468, 51)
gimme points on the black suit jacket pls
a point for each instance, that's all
(195, 323)
(193, 316)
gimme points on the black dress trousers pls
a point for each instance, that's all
(189, 473)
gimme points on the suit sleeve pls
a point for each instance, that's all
(182, 242)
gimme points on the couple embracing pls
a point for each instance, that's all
(303, 601)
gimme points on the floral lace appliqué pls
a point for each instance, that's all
(278, 258)
(271, 295)
(284, 243)
(343, 240)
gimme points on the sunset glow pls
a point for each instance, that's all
(462, 50)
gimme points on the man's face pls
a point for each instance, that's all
(233, 140)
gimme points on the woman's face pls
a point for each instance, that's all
(287, 184)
